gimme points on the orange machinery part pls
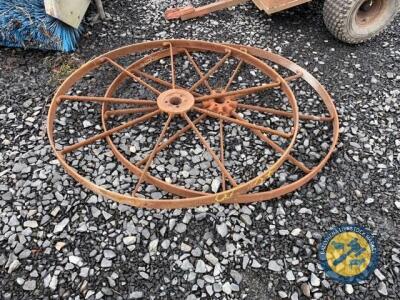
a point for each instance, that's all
(190, 12)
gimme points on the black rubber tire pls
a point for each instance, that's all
(339, 18)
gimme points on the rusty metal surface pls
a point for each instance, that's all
(176, 103)
(274, 6)
(268, 6)
(189, 12)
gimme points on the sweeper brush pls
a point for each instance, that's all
(25, 24)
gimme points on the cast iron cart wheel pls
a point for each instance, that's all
(356, 21)
(175, 101)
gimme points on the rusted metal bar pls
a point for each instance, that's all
(211, 151)
(276, 147)
(244, 123)
(158, 80)
(171, 53)
(232, 78)
(190, 12)
(210, 72)
(118, 66)
(153, 154)
(241, 92)
(199, 72)
(221, 146)
(107, 133)
(127, 111)
(102, 100)
(283, 113)
(173, 138)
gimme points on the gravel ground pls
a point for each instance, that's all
(59, 240)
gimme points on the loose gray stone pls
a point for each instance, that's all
(295, 296)
(211, 258)
(136, 295)
(226, 288)
(290, 276)
(186, 247)
(153, 246)
(60, 226)
(349, 289)
(59, 246)
(296, 232)
(13, 221)
(222, 229)
(186, 265)
(106, 263)
(31, 224)
(13, 266)
(129, 240)
(180, 228)
(382, 289)
(274, 266)
(29, 285)
(315, 281)
(215, 184)
(255, 264)
(53, 283)
(246, 219)
(201, 267)
(76, 260)
(109, 254)
(369, 201)
(236, 276)
(95, 212)
(196, 252)
(282, 294)
(24, 254)
(378, 274)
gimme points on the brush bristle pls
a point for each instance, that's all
(25, 24)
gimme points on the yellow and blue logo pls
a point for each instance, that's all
(348, 253)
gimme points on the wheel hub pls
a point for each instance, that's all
(221, 105)
(175, 101)
(368, 12)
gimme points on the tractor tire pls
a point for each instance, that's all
(356, 21)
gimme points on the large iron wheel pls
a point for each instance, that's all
(187, 106)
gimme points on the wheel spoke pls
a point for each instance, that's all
(109, 132)
(207, 146)
(136, 78)
(251, 90)
(102, 100)
(221, 146)
(196, 67)
(242, 92)
(210, 72)
(283, 113)
(120, 112)
(245, 123)
(153, 154)
(171, 53)
(173, 138)
(294, 77)
(235, 73)
(276, 147)
(159, 81)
